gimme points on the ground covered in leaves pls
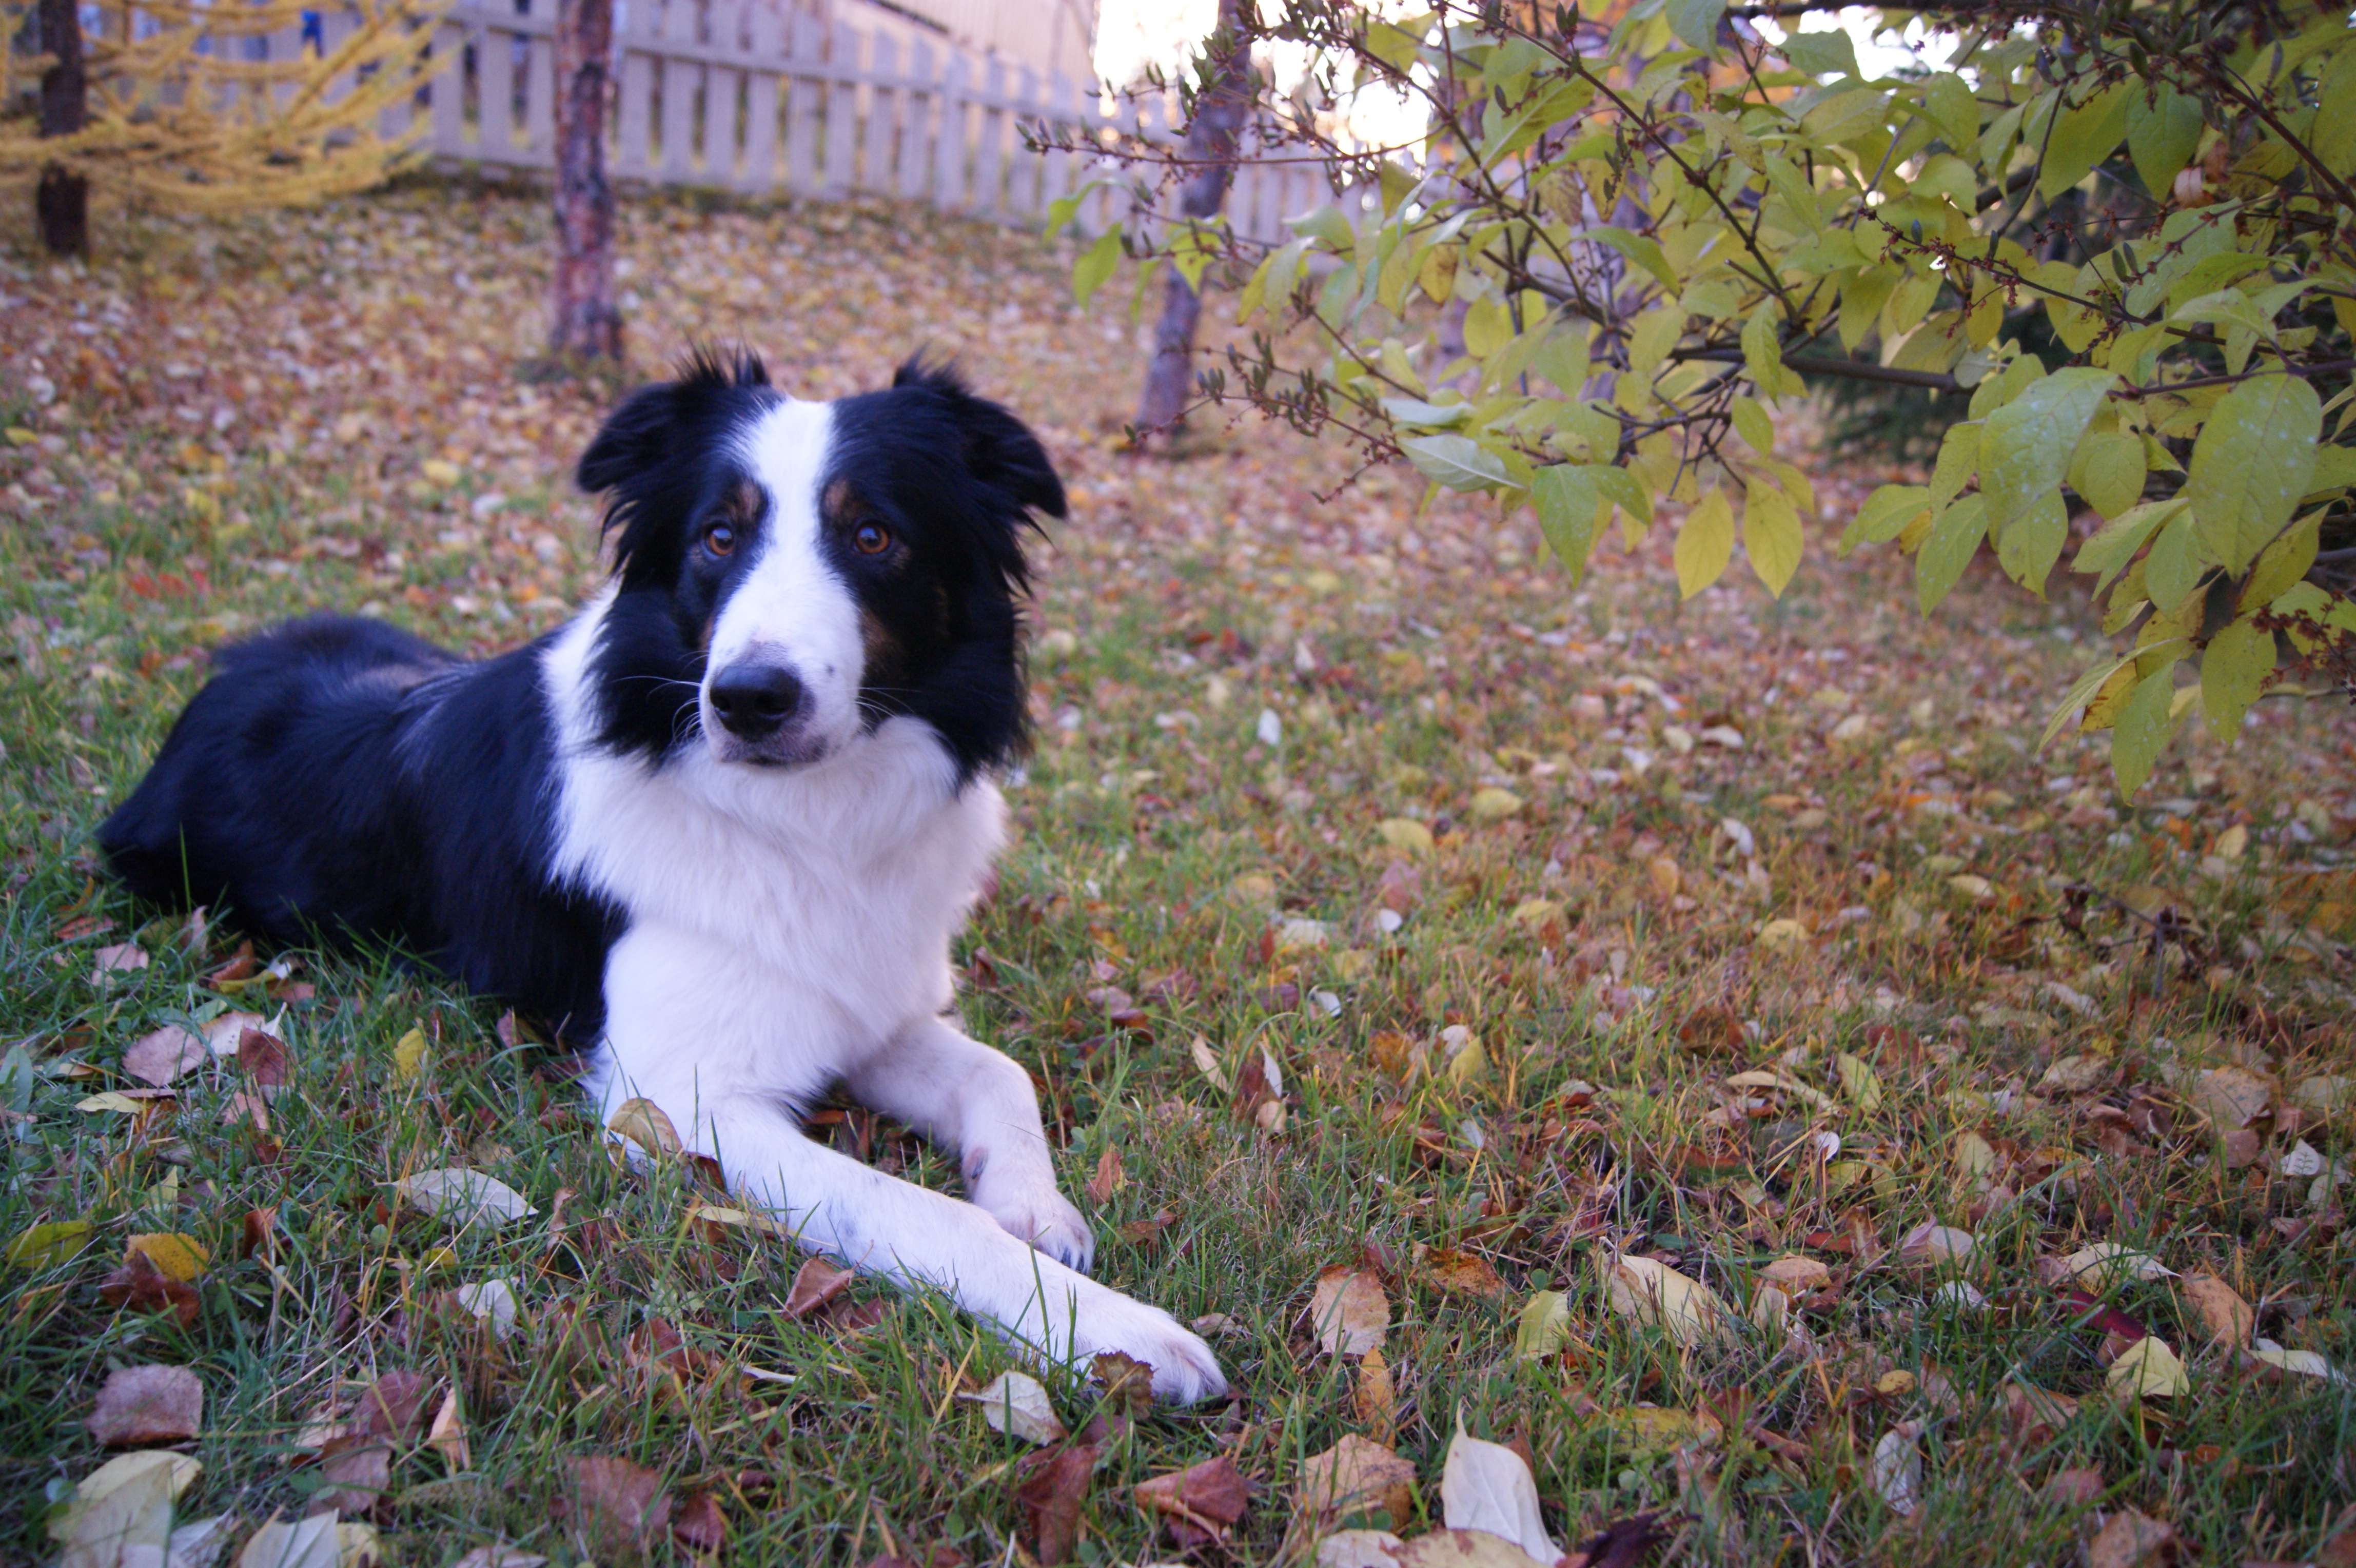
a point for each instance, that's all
(1640, 1078)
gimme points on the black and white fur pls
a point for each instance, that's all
(719, 828)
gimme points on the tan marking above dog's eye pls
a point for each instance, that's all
(872, 539)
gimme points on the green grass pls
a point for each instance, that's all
(1141, 824)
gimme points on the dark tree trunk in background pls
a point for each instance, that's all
(62, 199)
(1219, 110)
(586, 324)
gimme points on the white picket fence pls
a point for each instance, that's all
(726, 95)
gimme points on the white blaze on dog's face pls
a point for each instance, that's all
(785, 661)
(792, 575)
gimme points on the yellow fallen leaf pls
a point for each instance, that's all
(441, 471)
(1493, 805)
(1544, 1326)
(1646, 1429)
(2104, 1262)
(409, 1054)
(1858, 1081)
(1651, 1292)
(1349, 1311)
(1536, 912)
(2148, 1369)
(1406, 834)
(2222, 1311)
(642, 1121)
(182, 1257)
(48, 1244)
(1785, 936)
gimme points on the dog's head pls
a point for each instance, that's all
(792, 574)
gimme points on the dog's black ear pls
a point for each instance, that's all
(647, 427)
(1000, 449)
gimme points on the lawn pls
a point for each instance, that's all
(1379, 903)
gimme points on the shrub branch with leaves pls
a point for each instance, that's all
(1617, 244)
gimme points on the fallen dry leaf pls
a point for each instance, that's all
(1650, 1429)
(643, 1123)
(1650, 1291)
(1464, 1549)
(2231, 1097)
(491, 1302)
(1546, 1326)
(1488, 1486)
(447, 1434)
(1621, 1543)
(358, 1469)
(1108, 1178)
(124, 1503)
(296, 1543)
(2129, 1539)
(1896, 1472)
(2099, 1266)
(1349, 1311)
(499, 1555)
(161, 1056)
(2222, 1311)
(182, 1257)
(137, 1283)
(1051, 1497)
(147, 1404)
(1128, 1382)
(699, 1525)
(1374, 1396)
(1199, 1503)
(1018, 1405)
(1796, 1275)
(618, 1507)
(816, 1284)
(2148, 1369)
(464, 1195)
(122, 958)
(2074, 1489)
(1928, 1245)
(262, 1056)
(1354, 1476)
(1460, 1273)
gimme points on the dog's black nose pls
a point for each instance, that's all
(755, 700)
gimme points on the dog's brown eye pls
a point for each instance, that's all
(872, 539)
(719, 539)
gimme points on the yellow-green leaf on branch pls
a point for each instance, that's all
(2025, 445)
(1771, 535)
(2115, 542)
(1459, 462)
(2143, 729)
(1704, 543)
(1568, 506)
(1954, 539)
(2234, 670)
(2251, 465)
(2085, 136)
(1763, 358)
(2162, 135)
(2282, 565)
(2033, 542)
(1751, 422)
(1097, 263)
(1884, 516)
(1695, 22)
(2176, 565)
(2109, 470)
(1562, 358)
(2081, 694)
(1640, 249)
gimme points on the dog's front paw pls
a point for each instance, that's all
(1185, 1370)
(1038, 1214)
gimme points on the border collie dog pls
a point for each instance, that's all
(720, 828)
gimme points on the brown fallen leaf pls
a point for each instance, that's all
(1108, 1178)
(1127, 1381)
(1457, 1549)
(1145, 1232)
(2231, 1097)
(358, 1470)
(618, 1507)
(1374, 1396)
(1348, 1312)
(147, 1405)
(137, 1283)
(2129, 1539)
(122, 958)
(447, 1433)
(816, 1282)
(262, 1056)
(1199, 1503)
(1054, 1487)
(699, 1525)
(1354, 1476)
(1621, 1543)
(1460, 1273)
(2222, 1311)
(2338, 1548)
(394, 1405)
(1795, 1276)
(161, 1056)
(2035, 1414)
(2073, 1489)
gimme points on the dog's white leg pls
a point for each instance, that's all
(885, 1226)
(960, 1094)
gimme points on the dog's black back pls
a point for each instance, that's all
(338, 780)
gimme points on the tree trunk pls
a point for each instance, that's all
(585, 324)
(1211, 136)
(62, 199)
